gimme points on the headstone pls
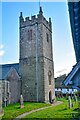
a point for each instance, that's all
(66, 95)
(0, 97)
(71, 95)
(1, 111)
(0, 103)
(21, 102)
(69, 102)
(75, 98)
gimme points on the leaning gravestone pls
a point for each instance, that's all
(69, 102)
(21, 102)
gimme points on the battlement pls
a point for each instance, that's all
(35, 19)
(28, 19)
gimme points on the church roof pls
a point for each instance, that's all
(74, 13)
(4, 69)
(59, 82)
(71, 75)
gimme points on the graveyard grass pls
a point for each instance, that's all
(59, 111)
(14, 110)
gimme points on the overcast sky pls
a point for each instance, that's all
(63, 51)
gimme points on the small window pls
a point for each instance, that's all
(30, 34)
(49, 77)
(47, 36)
(49, 80)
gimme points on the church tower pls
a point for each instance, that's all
(36, 58)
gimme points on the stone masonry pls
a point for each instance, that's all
(36, 58)
(10, 88)
(0, 98)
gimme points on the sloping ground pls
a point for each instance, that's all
(45, 111)
(12, 111)
(60, 112)
(27, 113)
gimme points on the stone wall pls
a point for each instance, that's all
(5, 92)
(48, 69)
(0, 96)
(36, 57)
(11, 88)
(15, 87)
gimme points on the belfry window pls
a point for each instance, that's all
(30, 34)
(47, 37)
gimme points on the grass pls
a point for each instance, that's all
(14, 110)
(61, 111)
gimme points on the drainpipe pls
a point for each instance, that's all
(37, 60)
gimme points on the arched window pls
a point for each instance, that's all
(47, 37)
(49, 77)
(30, 34)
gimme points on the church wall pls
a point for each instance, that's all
(28, 73)
(28, 65)
(39, 27)
(48, 62)
(27, 69)
(28, 47)
(48, 66)
(5, 92)
(0, 96)
(15, 87)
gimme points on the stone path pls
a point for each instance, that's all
(27, 113)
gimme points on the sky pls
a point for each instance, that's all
(63, 51)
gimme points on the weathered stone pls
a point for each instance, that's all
(1, 111)
(11, 88)
(21, 102)
(69, 102)
(75, 98)
(36, 59)
(14, 86)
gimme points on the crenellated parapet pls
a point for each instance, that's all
(24, 22)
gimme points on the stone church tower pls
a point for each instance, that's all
(36, 58)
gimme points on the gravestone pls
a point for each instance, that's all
(75, 98)
(1, 111)
(69, 102)
(21, 102)
(5, 102)
(66, 95)
(0, 103)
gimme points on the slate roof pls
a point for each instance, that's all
(70, 76)
(72, 73)
(4, 69)
(74, 13)
(59, 82)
